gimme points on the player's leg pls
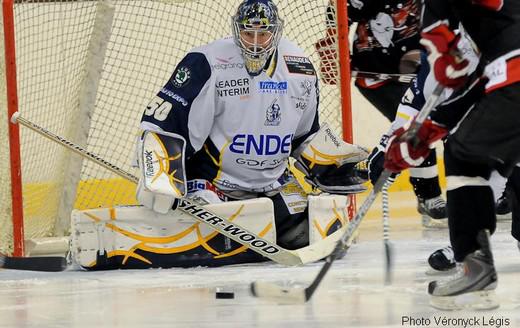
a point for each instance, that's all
(471, 219)
(292, 226)
(501, 191)
(514, 183)
(425, 182)
(443, 259)
(302, 219)
(488, 138)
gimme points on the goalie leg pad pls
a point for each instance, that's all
(290, 206)
(327, 213)
(136, 237)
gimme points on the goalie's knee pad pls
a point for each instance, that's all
(323, 215)
(327, 213)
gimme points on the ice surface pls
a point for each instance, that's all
(353, 293)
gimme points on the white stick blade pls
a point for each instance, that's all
(278, 294)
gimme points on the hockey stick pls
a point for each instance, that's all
(264, 247)
(301, 295)
(403, 78)
(39, 263)
(386, 234)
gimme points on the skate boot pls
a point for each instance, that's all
(503, 207)
(433, 211)
(473, 286)
(442, 260)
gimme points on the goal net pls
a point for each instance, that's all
(85, 70)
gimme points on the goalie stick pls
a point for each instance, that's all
(39, 263)
(403, 78)
(302, 295)
(264, 247)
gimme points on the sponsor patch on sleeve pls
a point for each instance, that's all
(299, 65)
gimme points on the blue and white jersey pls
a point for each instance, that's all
(240, 130)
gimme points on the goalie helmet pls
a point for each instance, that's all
(257, 30)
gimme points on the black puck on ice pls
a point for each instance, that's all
(224, 295)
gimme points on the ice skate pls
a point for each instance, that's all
(442, 261)
(473, 286)
(433, 211)
(503, 207)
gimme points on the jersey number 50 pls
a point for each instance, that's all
(159, 108)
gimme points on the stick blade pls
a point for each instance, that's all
(389, 262)
(267, 290)
(40, 263)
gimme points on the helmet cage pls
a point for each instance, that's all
(256, 54)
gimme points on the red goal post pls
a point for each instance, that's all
(85, 70)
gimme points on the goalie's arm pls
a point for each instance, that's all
(175, 123)
(184, 105)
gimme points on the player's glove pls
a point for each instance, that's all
(376, 160)
(447, 66)
(402, 153)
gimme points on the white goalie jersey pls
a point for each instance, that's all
(239, 129)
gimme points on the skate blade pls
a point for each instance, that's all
(478, 300)
(505, 217)
(430, 223)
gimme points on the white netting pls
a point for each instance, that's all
(65, 85)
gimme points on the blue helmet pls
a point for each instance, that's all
(257, 30)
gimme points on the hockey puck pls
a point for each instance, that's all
(224, 295)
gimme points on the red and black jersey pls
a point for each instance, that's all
(386, 30)
(494, 26)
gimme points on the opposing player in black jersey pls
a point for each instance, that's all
(387, 41)
(480, 124)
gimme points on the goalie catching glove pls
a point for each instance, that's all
(161, 164)
(331, 165)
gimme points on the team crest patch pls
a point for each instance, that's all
(273, 115)
(182, 77)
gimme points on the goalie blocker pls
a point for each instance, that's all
(162, 180)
